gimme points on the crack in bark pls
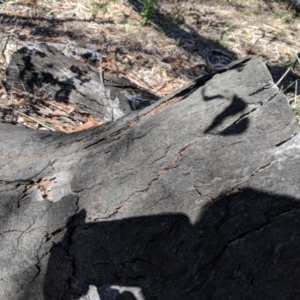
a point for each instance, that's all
(77, 204)
(240, 118)
(209, 198)
(236, 188)
(164, 155)
(177, 162)
(270, 99)
(153, 181)
(23, 232)
(38, 271)
(129, 199)
(285, 141)
(245, 115)
(37, 265)
(166, 101)
(49, 236)
(245, 234)
(46, 238)
(130, 124)
(265, 87)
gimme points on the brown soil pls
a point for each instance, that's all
(181, 40)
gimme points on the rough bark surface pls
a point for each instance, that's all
(195, 197)
(43, 70)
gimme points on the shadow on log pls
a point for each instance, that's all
(194, 197)
(244, 246)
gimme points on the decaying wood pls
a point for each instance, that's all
(194, 197)
(43, 70)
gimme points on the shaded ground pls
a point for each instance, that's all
(182, 39)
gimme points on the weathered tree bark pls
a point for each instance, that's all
(195, 197)
(44, 71)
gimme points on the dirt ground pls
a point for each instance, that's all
(178, 42)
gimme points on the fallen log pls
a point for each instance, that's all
(194, 197)
(44, 71)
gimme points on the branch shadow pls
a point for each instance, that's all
(236, 107)
(243, 246)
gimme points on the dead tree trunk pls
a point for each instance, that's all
(195, 197)
(44, 71)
